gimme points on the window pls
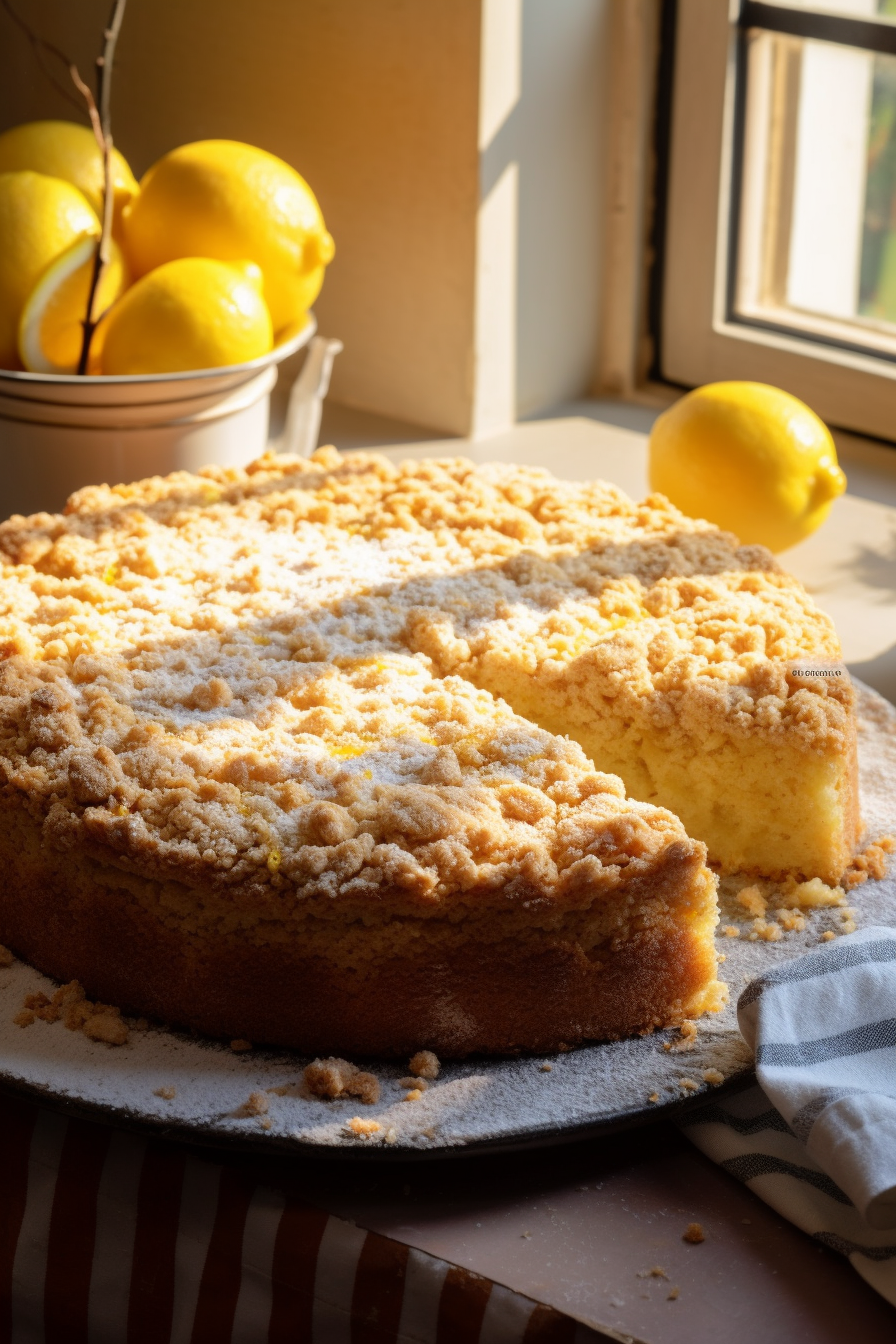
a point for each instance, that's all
(780, 258)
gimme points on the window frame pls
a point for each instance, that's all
(700, 336)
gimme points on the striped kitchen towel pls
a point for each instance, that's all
(816, 1138)
(107, 1238)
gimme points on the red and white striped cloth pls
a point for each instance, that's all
(107, 1238)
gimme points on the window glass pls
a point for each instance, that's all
(817, 228)
(850, 9)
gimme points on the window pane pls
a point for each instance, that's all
(817, 245)
(851, 9)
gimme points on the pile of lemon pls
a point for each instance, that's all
(217, 254)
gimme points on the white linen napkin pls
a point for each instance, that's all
(816, 1138)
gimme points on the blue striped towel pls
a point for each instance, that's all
(816, 1139)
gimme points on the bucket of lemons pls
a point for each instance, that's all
(217, 255)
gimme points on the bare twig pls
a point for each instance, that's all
(102, 128)
(98, 110)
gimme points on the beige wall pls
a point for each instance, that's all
(451, 317)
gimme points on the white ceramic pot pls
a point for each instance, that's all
(60, 432)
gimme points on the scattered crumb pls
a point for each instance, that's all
(141, 1024)
(872, 862)
(106, 1027)
(282, 1091)
(812, 895)
(70, 1005)
(167, 1093)
(6, 957)
(847, 920)
(527, 1235)
(337, 1077)
(425, 1065)
(673, 1294)
(828, 935)
(363, 1128)
(546, 1068)
(414, 1095)
(391, 1134)
(713, 1077)
(654, 1096)
(722, 956)
(687, 1038)
(240, 1047)
(688, 1085)
(765, 930)
(731, 931)
(694, 1234)
(265, 1122)
(255, 1104)
(657, 1272)
(419, 1083)
(753, 901)
(791, 920)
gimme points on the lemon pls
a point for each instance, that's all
(64, 149)
(750, 458)
(40, 217)
(220, 198)
(51, 328)
(193, 313)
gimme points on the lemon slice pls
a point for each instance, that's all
(51, 330)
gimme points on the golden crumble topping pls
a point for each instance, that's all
(276, 679)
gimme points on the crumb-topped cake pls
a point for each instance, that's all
(306, 753)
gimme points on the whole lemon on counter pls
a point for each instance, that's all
(224, 199)
(65, 149)
(748, 457)
(193, 313)
(40, 218)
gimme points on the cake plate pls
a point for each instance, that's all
(475, 1105)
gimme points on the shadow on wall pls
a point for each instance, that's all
(879, 673)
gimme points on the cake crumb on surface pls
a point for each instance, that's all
(414, 1095)
(687, 1037)
(265, 1122)
(70, 1005)
(713, 1076)
(694, 1234)
(752, 900)
(391, 1135)
(872, 862)
(688, 1085)
(546, 1068)
(334, 1077)
(731, 931)
(425, 1065)
(255, 1104)
(419, 1083)
(655, 1272)
(6, 957)
(167, 1093)
(363, 1128)
(828, 935)
(654, 1096)
(673, 1294)
(240, 1047)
